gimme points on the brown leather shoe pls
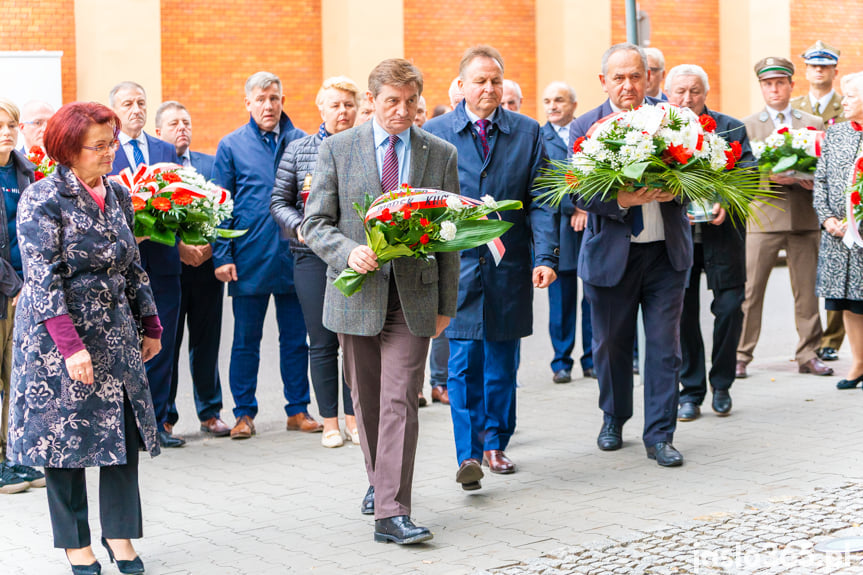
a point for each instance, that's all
(469, 473)
(440, 394)
(816, 367)
(244, 429)
(304, 422)
(740, 370)
(169, 427)
(498, 462)
(215, 427)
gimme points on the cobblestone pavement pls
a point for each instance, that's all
(280, 503)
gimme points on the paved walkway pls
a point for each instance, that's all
(280, 503)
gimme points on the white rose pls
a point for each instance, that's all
(447, 231)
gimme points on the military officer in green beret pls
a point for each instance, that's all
(822, 100)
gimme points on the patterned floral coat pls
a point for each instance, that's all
(840, 269)
(85, 263)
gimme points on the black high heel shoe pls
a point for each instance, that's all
(94, 568)
(849, 383)
(128, 567)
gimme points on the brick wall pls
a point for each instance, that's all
(437, 34)
(210, 47)
(838, 26)
(686, 32)
(42, 25)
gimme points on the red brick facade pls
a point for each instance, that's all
(686, 32)
(210, 47)
(48, 25)
(437, 34)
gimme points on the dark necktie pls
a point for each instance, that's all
(271, 141)
(390, 170)
(637, 222)
(482, 128)
(137, 154)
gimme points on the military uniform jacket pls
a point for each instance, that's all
(832, 114)
(792, 210)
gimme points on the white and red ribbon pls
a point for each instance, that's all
(141, 183)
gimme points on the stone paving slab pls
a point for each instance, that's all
(280, 503)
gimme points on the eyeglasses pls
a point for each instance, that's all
(37, 123)
(102, 148)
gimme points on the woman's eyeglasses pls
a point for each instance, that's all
(102, 148)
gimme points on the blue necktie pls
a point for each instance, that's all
(271, 141)
(637, 220)
(137, 153)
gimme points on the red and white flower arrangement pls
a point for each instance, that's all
(789, 150)
(45, 166)
(853, 207)
(171, 201)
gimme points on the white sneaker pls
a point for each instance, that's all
(332, 438)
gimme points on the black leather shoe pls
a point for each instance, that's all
(94, 568)
(610, 438)
(562, 376)
(721, 402)
(590, 372)
(168, 440)
(368, 506)
(827, 354)
(849, 383)
(665, 454)
(400, 529)
(688, 411)
(131, 567)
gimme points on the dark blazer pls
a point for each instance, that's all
(494, 302)
(157, 259)
(203, 163)
(570, 240)
(10, 281)
(725, 245)
(605, 248)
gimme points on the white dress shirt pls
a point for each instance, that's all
(786, 116)
(563, 132)
(127, 148)
(403, 151)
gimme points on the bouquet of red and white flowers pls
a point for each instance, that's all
(417, 222)
(45, 166)
(655, 146)
(789, 150)
(170, 201)
(853, 207)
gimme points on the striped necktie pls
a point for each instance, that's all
(137, 154)
(390, 170)
(482, 128)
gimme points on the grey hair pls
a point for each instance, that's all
(453, 90)
(656, 53)
(687, 70)
(262, 80)
(512, 84)
(618, 48)
(569, 89)
(127, 85)
(855, 78)
(164, 107)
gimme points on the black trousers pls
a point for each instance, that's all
(201, 308)
(727, 325)
(119, 498)
(310, 280)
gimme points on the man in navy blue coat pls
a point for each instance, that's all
(161, 262)
(559, 101)
(259, 265)
(202, 293)
(636, 251)
(499, 155)
(720, 251)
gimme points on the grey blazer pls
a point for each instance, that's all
(347, 170)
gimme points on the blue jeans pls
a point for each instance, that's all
(249, 314)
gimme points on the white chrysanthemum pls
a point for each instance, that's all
(447, 231)
(774, 140)
(582, 163)
(454, 203)
(647, 118)
(489, 202)
(758, 149)
(591, 146)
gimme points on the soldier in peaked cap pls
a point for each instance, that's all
(822, 100)
(788, 222)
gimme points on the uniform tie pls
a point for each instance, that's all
(137, 154)
(817, 108)
(482, 128)
(390, 171)
(781, 117)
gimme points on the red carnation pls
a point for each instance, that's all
(424, 222)
(181, 198)
(424, 239)
(855, 198)
(730, 160)
(571, 179)
(737, 150)
(678, 153)
(36, 154)
(859, 165)
(707, 122)
(782, 130)
(406, 213)
(163, 204)
(576, 147)
(138, 204)
(171, 178)
(385, 215)
(39, 175)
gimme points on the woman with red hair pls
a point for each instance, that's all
(84, 327)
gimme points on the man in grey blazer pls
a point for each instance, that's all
(384, 329)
